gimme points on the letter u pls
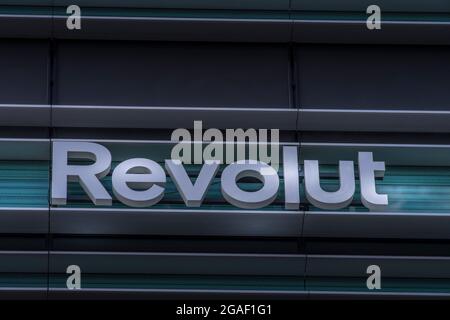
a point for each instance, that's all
(329, 200)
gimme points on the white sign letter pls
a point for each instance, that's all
(143, 174)
(329, 200)
(87, 175)
(192, 194)
(291, 180)
(367, 171)
(250, 199)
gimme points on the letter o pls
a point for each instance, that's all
(249, 199)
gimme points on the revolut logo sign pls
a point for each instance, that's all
(140, 182)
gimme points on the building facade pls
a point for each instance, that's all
(137, 70)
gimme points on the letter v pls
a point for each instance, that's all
(192, 194)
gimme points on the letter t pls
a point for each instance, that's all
(367, 171)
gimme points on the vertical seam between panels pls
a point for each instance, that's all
(50, 135)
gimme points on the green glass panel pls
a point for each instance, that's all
(388, 285)
(24, 183)
(184, 282)
(23, 280)
(410, 189)
(362, 16)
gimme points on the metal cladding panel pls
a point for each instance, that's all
(230, 21)
(176, 222)
(89, 116)
(24, 67)
(437, 6)
(373, 77)
(272, 30)
(145, 74)
(184, 4)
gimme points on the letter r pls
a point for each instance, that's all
(87, 175)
